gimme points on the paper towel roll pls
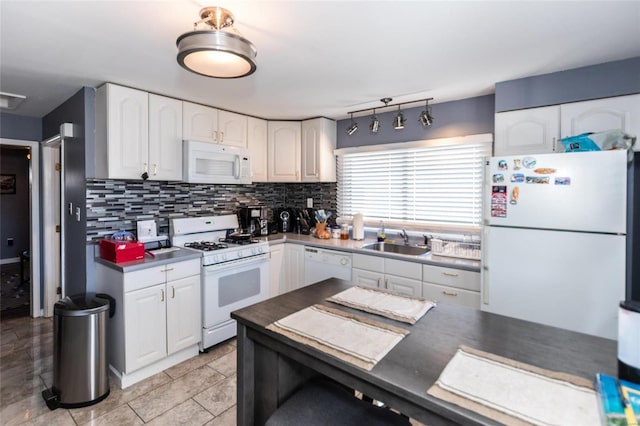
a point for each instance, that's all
(358, 226)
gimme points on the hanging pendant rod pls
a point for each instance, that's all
(388, 105)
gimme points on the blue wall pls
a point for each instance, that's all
(597, 81)
(14, 126)
(457, 118)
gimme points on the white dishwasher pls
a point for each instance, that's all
(320, 264)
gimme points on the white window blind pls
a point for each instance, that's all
(433, 185)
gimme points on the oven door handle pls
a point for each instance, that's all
(236, 263)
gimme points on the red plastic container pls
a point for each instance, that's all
(121, 251)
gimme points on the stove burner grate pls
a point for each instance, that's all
(238, 241)
(206, 245)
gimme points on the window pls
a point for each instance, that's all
(433, 183)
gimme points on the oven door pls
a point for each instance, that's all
(233, 285)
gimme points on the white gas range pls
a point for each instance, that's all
(235, 270)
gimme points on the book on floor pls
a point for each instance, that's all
(619, 401)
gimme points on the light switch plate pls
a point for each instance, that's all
(309, 203)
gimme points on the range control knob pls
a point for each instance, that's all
(239, 254)
(224, 256)
(216, 258)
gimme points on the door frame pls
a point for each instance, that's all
(52, 202)
(34, 213)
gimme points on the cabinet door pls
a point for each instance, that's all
(528, 131)
(318, 145)
(145, 326)
(232, 129)
(403, 285)
(199, 123)
(257, 143)
(621, 112)
(184, 322)
(283, 151)
(293, 267)
(276, 259)
(445, 294)
(128, 132)
(367, 278)
(165, 138)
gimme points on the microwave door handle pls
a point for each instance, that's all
(236, 171)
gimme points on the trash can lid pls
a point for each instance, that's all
(80, 305)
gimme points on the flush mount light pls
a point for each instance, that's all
(353, 127)
(220, 52)
(425, 116)
(375, 123)
(398, 121)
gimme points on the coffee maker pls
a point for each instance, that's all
(253, 220)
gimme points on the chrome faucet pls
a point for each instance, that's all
(404, 236)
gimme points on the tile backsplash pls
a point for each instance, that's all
(116, 205)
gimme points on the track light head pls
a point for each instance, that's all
(375, 123)
(353, 127)
(398, 121)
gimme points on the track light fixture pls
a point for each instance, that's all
(425, 117)
(375, 123)
(353, 127)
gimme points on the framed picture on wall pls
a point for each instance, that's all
(7, 184)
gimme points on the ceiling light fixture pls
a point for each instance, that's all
(353, 127)
(220, 52)
(425, 116)
(375, 123)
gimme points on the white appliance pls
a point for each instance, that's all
(554, 239)
(235, 270)
(629, 341)
(320, 264)
(213, 163)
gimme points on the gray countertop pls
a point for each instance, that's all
(354, 246)
(148, 262)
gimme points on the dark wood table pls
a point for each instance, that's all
(271, 366)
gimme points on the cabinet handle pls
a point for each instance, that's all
(386, 284)
(221, 137)
(215, 136)
(162, 295)
(449, 293)
(155, 169)
(146, 168)
(450, 274)
(378, 282)
(168, 270)
(173, 292)
(554, 145)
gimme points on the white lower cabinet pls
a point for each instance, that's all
(157, 322)
(451, 285)
(293, 276)
(391, 274)
(276, 264)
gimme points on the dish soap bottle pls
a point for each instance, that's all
(381, 234)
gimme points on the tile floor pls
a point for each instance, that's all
(199, 391)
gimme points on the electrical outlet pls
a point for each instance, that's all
(309, 203)
(10, 242)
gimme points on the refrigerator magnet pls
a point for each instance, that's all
(537, 179)
(515, 193)
(529, 162)
(502, 165)
(517, 164)
(562, 181)
(498, 201)
(544, 171)
(498, 178)
(517, 178)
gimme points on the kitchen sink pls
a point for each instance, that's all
(411, 250)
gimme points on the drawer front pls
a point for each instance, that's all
(370, 263)
(179, 270)
(444, 294)
(458, 278)
(401, 268)
(143, 278)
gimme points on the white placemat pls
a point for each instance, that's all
(354, 339)
(400, 307)
(516, 393)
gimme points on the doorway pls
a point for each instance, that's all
(20, 227)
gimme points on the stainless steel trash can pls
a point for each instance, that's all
(80, 376)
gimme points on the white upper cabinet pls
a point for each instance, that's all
(257, 144)
(318, 145)
(122, 132)
(527, 131)
(200, 123)
(165, 138)
(283, 151)
(622, 113)
(232, 129)
(206, 124)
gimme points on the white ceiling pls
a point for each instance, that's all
(315, 58)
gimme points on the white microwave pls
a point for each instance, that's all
(212, 163)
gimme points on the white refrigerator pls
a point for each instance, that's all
(554, 239)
